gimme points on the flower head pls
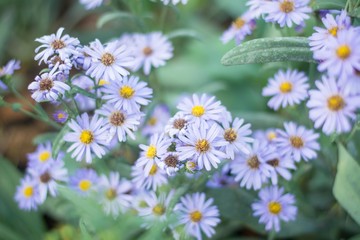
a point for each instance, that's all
(251, 169)
(157, 120)
(109, 61)
(174, 2)
(198, 215)
(286, 88)
(114, 193)
(84, 181)
(87, 137)
(274, 206)
(298, 141)
(27, 194)
(129, 94)
(332, 107)
(203, 145)
(239, 28)
(287, 12)
(151, 50)
(148, 179)
(64, 46)
(47, 88)
(60, 116)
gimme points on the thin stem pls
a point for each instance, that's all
(353, 131)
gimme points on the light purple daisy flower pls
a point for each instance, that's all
(201, 109)
(202, 144)
(251, 170)
(332, 107)
(298, 141)
(119, 122)
(52, 44)
(268, 135)
(114, 193)
(49, 177)
(84, 181)
(239, 29)
(156, 208)
(129, 94)
(319, 39)
(286, 88)
(341, 55)
(62, 65)
(257, 7)
(151, 50)
(27, 194)
(46, 87)
(198, 215)
(235, 137)
(281, 166)
(156, 149)
(109, 62)
(170, 163)
(157, 120)
(287, 12)
(10, 67)
(87, 137)
(60, 116)
(152, 179)
(274, 206)
(42, 157)
(177, 125)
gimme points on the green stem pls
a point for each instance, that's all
(353, 131)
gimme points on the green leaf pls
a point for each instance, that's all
(265, 50)
(328, 4)
(76, 89)
(183, 33)
(84, 231)
(43, 138)
(111, 16)
(346, 188)
(59, 141)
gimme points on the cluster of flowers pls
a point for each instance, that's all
(90, 4)
(334, 103)
(282, 12)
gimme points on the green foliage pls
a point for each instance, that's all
(265, 50)
(15, 224)
(346, 187)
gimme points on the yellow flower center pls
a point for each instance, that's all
(86, 137)
(196, 216)
(333, 31)
(126, 91)
(110, 194)
(85, 185)
(158, 209)
(274, 207)
(60, 116)
(107, 59)
(147, 51)
(335, 103)
(143, 204)
(253, 162)
(287, 6)
(44, 156)
(296, 142)
(202, 145)
(190, 165)
(239, 23)
(271, 136)
(103, 82)
(151, 152)
(153, 170)
(198, 111)
(343, 51)
(152, 121)
(230, 135)
(285, 87)
(28, 191)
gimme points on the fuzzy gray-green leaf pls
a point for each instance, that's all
(264, 50)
